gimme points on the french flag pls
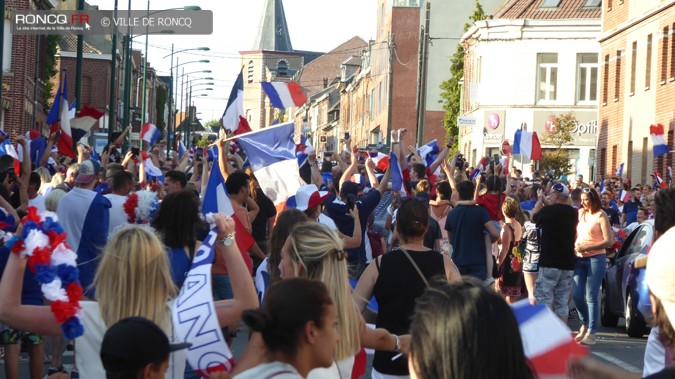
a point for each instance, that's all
(233, 117)
(547, 341)
(271, 154)
(659, 181)
(181, 149)
(6, 148)
(527, 144)
(82, 123)
(397, 176)
(284, 95)
(303, 150)
(216, 201)
(619, 170)
(150, 133)
(658, 139)
(429, 152)
(381, 161)
(151, 171)
(59, 113)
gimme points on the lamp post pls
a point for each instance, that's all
(183, 84)
(170, 113)
(112, 107)
(189, 124)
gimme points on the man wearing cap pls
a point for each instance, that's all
(84, 215)
(135, 348)
(557, 223)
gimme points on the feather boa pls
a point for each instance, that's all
(141, 206)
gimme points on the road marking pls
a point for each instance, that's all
(617, 361)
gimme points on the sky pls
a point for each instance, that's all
(315, 25)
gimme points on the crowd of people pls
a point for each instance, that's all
(416, 257)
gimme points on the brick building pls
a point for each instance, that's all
(24, 103)
(531, 61)
(637, 85)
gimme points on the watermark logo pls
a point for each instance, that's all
(103, 22)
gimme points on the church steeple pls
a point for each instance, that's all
(273, 31)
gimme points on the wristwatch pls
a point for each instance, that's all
(227, 241)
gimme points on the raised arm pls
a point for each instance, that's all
(441, 156)
(120, 139)
(223, 164)
(370, 169)
(347, 174)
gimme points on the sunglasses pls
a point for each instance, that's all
(586, 190)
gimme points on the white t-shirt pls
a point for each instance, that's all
(38, 202)
(88, 356)
(117, 215)
(325, 220)
(274, 370)
(341, 370)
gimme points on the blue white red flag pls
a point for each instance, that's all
(150, 133)
(397, 183)
(658, 139)
(429, 152)
(619, 170)
(271, 154)
(527, 144)
(54, 114)
(194, 315)
(233, 118)
(303, 150)
(59, 114)
(181, 149)
(151, 171)
(547, 341)
(284, 95)
(659, 183)
(86, 118)
(381, 161)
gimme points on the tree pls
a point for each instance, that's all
(557, 160)
(450, 89)
(214, 125)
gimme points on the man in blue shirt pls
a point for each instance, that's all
(630, 208)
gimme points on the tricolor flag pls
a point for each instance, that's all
(36, 146)
(284, 95)
(527, 144)
(73, 109)
(216, 200)
(151, 171)
(547, 341)
(303, 150)
(429, 152)
(150, 133)
(181, 149)
(659, 181)
(658, 139)
(233, 117)
(624, 196)
(6, 148)
(381, 161)
(619, 170)
(271, 153)
(65, 144)
(86, 118)
(397, 183)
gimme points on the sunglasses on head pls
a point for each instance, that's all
(586, 190)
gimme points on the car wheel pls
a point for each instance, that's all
(607, 318)
(634, 326)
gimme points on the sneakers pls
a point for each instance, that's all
(53, 370)
(581, 334)
(573, 314)
(589, 340)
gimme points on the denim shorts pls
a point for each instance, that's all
(553, 288)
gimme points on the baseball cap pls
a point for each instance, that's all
(350, 188)
(308, 197)
(561, 189)
(134, 342)
(87, 171)
(660, 268)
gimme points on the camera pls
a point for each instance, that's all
(460, 162)
(135, 151)
(351, 201)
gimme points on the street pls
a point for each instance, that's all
(613, 347)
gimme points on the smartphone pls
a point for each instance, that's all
(135, 151)
(350, 202)
(200, 151)
(346, 135)
(373, 154)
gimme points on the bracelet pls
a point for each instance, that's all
(397, 348)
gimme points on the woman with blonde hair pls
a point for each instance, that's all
(510, 259)
(133, 279)
(45, 181)
(314, 251)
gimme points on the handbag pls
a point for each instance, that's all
(407, 255)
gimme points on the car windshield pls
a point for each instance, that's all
(642, 240)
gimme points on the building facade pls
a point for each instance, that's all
(638, 85)
(531, 62)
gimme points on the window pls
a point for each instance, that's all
(547, 71)
(664, 55)
(609, 5)
(7, 47)
(282, 68)
(587, 78)
(633, 65)
(605, 80)
(550, 3)
(617, 76)
(249, 72)
(592, 3)
(648, 69)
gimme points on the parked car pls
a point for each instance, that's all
(624, 290)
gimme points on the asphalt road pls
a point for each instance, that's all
(613, 347)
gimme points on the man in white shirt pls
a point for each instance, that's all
(122, 182)
(34, 198)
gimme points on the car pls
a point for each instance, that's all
(624, 289)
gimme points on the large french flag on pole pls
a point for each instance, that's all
(658, 139)
(527, 143)
(271, 153)
(284, 95)
(547, 341)
(233, 117)
(397, 176)
(59, 113)
(150, 133)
